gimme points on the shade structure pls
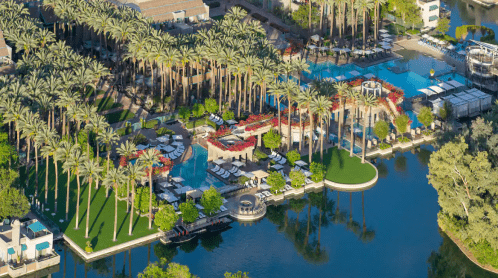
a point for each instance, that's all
(312, 46)
(427, 92)
(335, 49)
(315, 37)
(238, 163)
(385, 35)
(277, 166)
(378, 50)
(11, 251)
(386, 47)
(369, 75)
(178, 179)
(42, 246)
(300, 163)
(231, 122)
(36, 227)
(384, 43)
(368, 52)
(388, 40)
(203, 188)
(436, 40)
(340, 77)
(323, 48)
(168, 197)
(425, 36)
(455, 83)
(177, 143)
(162, 139)
(177, 137)
(462, 52)
(183, 190)
(436, 89)
(346, 50)
(307, 173)
(430, 38)
(165, 184)
(445, 86)
(260, 174)
(383, 30)
(354, 73)
(168, 148)
(264, 186)
(219, 161)
(450, 47)
(442, 42)
(248, 174)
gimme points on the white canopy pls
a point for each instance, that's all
(231, 122)
(430, 38)
(264, 186)
(168, 148)
(346, 50)
(357, 51)
(378, 50)
(368, 52)
(238, 163)
(162, 139)
(388, 40)
(445, 86)
(462, 52)
(178, 179)
(307, 173)
(177, 137)
(300, 163)
(427, 92)
(368, 76)
(219, 161)
(168, 196)
(354, 73)
(383, 30)
(437, 89)
(442, 42)
(384, 43)
(165, 184)
(183, 190)
(425, 36)
(455, 83)
(248, 174)
(436, 40)
(323, 48)
(312, 46)
(386, 47)
(315, 37)
(340, 77)
(450, 47)
(335, 49)
(277, 166)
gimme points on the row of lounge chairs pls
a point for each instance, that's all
(216, 119)
(251, 184)
(264, 194)
(447, 52)
(175, 154)
(277, 157)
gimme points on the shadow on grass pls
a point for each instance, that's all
(337, 152)
(122, 223)
(95, 239)
(97, 217)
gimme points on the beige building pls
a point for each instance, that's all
(25, 247)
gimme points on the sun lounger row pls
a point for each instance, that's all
(201, 215)
(216, 119)
(228, 188)
(251, 184)
(277, 157)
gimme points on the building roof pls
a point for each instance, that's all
(36, 227)
(4, 51)
(162, 10)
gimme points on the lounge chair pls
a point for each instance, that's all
(233, 170)
(282, 161)
(225, 175)
(308, 181)
(216, 168)
(166, 155)
(288, 187)
(272, 155)
(220, 172)
(238, 173)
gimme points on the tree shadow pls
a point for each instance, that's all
(95, 239)
(122, 223)
(98, 214)
(82, 217)
(337, 152)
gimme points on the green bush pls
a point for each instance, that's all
(139, 139)
(150, 124)
(293, 156)
(163, 131)
(201, 122)
(228, 115)
(260, 155)
(124, 131)
(142, 199)
(243, 179)
(318, 171)
(403, 140)
(413, 32)
(384, 146)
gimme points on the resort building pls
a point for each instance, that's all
(429, 10)
(171, 11)
(25, 247)
(482, 65)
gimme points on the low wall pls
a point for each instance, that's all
(402, 146)
(355, 187)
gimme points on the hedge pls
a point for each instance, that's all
(151, 124)
(119, 116)
(201, 122)
(124, 131)
(163, 131)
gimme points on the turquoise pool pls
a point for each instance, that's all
(413, 117)
(194, 169)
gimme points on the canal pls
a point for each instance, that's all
(392, 233)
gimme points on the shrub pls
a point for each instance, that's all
(142, 199)
(228, 115)
(384, 146)
(272, 139)
(150, 124)
(139, 139)
(260, 155)
(189, 211)
(413, 32)
(298, 178)
(124, 131)
(184, 113)
(163, 131)
(276, 181)
(166, 218)
(403, 140)
(198, 110)
(318, 171)
(293, 156)
(211, 105)
(243, 179)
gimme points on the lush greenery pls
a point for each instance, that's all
(243, 179)
(488, 34)
(272, 139)
(301, 16)
(381, 129)
(318, 170)
(425, 116)
(443, 25)
(124, 131)
(211, 200)
(276, 181)
(173, 270)
(189, 211)
(341, 168)
(166, 217)
(184, 113)
(142, 199)
(150, 124)
(211, 106)
(201, 122)
(106, 103)
(163, 131)
(260, 155)
(119, 116)
(401, 123)
(198, 110)
(384, 146)
(297, 178)
(292, 157)
(228, 115)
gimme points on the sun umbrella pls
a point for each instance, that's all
(169, 148)
(219, 161)
(311, 46)
(177, 143)
(346, 50)
(450, 47)
(335, 49)
(384, 43)
(385, 35)
(277, 166)
(383, 30)
(177, 137)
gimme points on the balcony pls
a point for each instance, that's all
(27, 266)
(426, 1)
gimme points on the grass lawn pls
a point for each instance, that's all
(101, 212)
(89, 92)
(218, 17)
(344, 169)
(107, 103)
(119, 116)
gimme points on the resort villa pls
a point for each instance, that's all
(25, 247)
(429, 10)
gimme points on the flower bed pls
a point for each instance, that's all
(356, 82)
(257, 126)
(396, 96)
(255, 118)
(166, 162)
(285, 121)
(238, 146)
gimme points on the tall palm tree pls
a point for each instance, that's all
(30, 126)
(149, 158)
(290, 91)
(64, 153)
(76, 161)
(377, 5)
(321, 106)
(97, 124)
(113, 179)
(365, 6)
(49, 139)
(368, 101)
(353, 96)
(127, 149)
(109, 138)
(305, 98)
(341, 88)
(86, 113)
(91, 171)
(135, 172)
(277, 90)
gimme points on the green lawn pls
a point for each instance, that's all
(119, 116)
(344, 169)
(89, 92)
(107, 103)
(101, 212)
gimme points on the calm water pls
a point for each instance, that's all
(465, 12)
(400, 237)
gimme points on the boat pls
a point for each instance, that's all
(218, 225)
(182, 235)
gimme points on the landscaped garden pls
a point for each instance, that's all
(119, 116)
(341, 168)
(107, 103)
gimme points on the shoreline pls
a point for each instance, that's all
(467, 252)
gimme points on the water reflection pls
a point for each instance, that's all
(465, 12)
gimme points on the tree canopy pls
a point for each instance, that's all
(298, 178)
(211, 105)
(381, 129)
(276, 181)
(211, 200)
(272, 139)
(173, 270)
(443, 25)
(14, 203)
(401, 123)
(189, 211)
(301, 16)
(425, 116)
(293, 156)
(318, 170)
(198, 110)
(166, 217)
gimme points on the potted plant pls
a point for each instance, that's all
(432, 72)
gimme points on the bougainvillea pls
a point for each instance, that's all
(167, 164)
(255, 118)
(257, 126)
(335, 106)
(396, 96)
(285, 121)
(356, 82)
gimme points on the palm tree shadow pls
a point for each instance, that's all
(337, 152)
(86, 211)
(122, 223)
(95, 239)
(98, 214)
(136, 221)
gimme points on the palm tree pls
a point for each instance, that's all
(49, 138)
(149, 158)
(368, 101)
(276, 90)
(186, 55)
(30, 126)
(321, 107)
(305, 98)
(365, 6)
(341, 88)
(64, 154)
(290, 91)
(353, 97)
(76, 161)
(97, 124)
(377, 5)
(86, 113)
(91, 171)
(113, 178)
(134, 172)
(109, 138)
(126, 150)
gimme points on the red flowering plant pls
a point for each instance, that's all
(396, 96)
(285, 121)
(257, 126)
(167, 164)
(399, 109)
(255, 118)
(335, 106)
(238, 146)
(356, 82)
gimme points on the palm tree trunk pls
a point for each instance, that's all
(240, 94)
(127, 196)
(321, 139)
(88, 206)
(352, 133)
(321, 19)
(363, 142)
(108, 159)
(115, 211)
(300, 131)
(150, 197)
(132, 207)
(364, 29)
(56, 185)
(311, 135)
(279, 120)
(289, 141)
(46, 179)
(78, 200)
(309, 16)
(27, 165)
(67, 197)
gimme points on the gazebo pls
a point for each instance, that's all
(259, 174)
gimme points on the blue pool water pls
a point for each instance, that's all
(453, 76)
(415, 123)
(194, 170)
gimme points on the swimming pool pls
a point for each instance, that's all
(415, 123)
(194, 170)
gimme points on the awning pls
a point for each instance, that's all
(368, 76)
(11, 251)
(445, 86)
(346, 50)
(388, 40)
(425, 36)
(177, 137)
(433, 7)
(426, 91)
(432, 18)
(36, 227)
(219, 161)
(24, 247)
(455, 83)
(183, 190)
(437, 89)
(277, 166)
(43, 245)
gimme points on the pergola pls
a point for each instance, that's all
(259, 174)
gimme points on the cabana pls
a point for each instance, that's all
(437, 104)
(168, 197)
(259, 174)
(446, 86)
(183, 190)
(459, 106)
(455, 84)
(437, 89)
(315, 38)
(427, 92)
(473, 101)
(385, 35)
(384, 43)
(484, 99)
